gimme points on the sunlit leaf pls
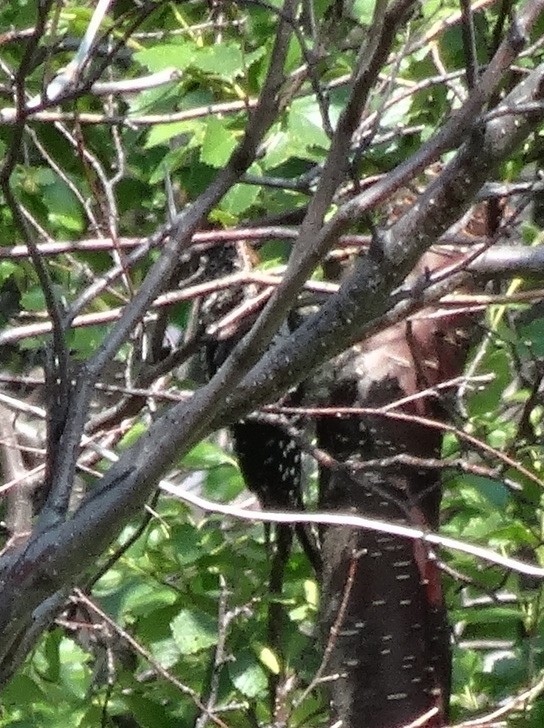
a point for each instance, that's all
(218, 143)
(194, 631)
(247, 675)
(269, 659)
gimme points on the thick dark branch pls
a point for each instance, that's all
(366, 295)
(18, 581)
(180, 233)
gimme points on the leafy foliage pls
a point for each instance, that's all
(172, 625)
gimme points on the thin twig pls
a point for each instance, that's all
(335, 629)
(347, 519)
(139, 650)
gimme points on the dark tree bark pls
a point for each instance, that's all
(383, 611)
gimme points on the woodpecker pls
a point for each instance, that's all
(269, 459)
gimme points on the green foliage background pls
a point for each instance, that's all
(169, 593)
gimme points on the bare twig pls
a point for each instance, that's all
(19, 510)
(334, 631)
(139, 650)
(348, 519)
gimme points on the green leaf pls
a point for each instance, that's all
(466, 664)
(85, 341)
(240, 198)
(134, 434)
(223, 59)
(51, 654)
(147, 598)
(247, 675)
(162, 100)
(75, 676)
(223, 483)
(397, 111)
(489, 615)
(430, 9)
(206, 455)
(362, 11)
(516, 533)
(92, 718)
(479, 527)
(64, 210)
(185, 539)
(33, 299)
(305, 125)
(487, 398)
(535, 719)
(218, 143)
(311, 592)
(7, 269)
(495, 492)
(166, 55)
(76, 20)
(149, 713)
(21, 689)
(162, 133)
(533, 334)
(269, 659)
(194, 631)
(166, 652)
(172, 161)
(278, 149)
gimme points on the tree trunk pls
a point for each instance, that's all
(383, 616)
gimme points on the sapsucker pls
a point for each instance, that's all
(269, 459)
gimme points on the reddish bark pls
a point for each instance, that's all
(391, 660)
